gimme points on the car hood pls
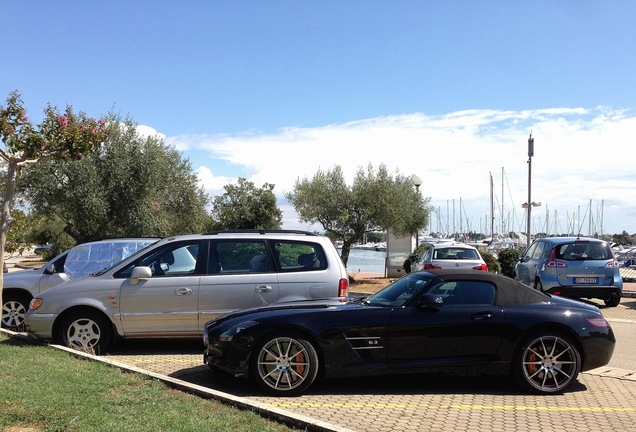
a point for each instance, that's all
(21, 275)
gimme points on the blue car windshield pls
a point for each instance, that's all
(399, 292)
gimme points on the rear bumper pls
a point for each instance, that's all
(600, 292)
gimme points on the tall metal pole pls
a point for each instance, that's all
(530, 154)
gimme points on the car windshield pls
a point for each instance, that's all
(400, 291)
(114, 255)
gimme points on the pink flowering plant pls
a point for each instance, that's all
(64, 135)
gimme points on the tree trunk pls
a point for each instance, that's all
(12, 171)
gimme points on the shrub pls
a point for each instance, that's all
(508, 258)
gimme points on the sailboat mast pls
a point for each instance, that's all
(492, 210)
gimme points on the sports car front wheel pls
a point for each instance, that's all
(547, 363)
(284, 364)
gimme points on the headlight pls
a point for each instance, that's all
(228, 334)
(35, 303)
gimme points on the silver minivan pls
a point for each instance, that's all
(21, 286)
(174, 287)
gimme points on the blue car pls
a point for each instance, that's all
(574, 267)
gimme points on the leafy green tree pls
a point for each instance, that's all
(508, 258)
(132, 186)
(376, 201)
(60, 136)
(244, 206)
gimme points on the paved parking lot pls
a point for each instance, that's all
(604, 399)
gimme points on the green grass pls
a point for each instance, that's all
(48, 390)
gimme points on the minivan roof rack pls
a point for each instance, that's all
(261, 231)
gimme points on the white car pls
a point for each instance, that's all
(172, 288)
(21, 286)
(450, 255)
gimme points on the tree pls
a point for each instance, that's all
(376, 201)
(60, 136)
(133, 186)
(244, 206)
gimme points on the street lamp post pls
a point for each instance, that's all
(417, 182)
(529, 204)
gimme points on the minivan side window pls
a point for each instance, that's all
(295, 256)
(174, 259)
(239, 256)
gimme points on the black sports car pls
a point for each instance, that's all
(458, 321)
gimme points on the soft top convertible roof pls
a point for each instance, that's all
(509, 291)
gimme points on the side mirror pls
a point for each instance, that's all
(430, 301)
(141, 272)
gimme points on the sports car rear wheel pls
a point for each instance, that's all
(547, 363)
(285, 364)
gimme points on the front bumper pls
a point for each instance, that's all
(40, 326)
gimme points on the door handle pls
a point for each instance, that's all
(263, 288)
(183, 291)
(482, 316)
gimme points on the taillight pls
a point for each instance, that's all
(343, 288)
(598, 322)
(431, 267)
(482, 267)
(612, 264)
(553, 262)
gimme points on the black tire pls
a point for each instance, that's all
(546, 362)
(14, 309)
(613, 300)
(86, 330)
(284, 364)
(538, 285)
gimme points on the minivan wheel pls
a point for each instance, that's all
(538, 285)
(86, 330)
(547, 362)
(284, 364)
(14, 309)
(613, 300)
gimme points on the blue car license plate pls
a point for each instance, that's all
(585, 280)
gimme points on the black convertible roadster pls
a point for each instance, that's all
(459, 321)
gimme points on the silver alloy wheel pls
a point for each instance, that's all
(550, 363)
(284, 364)
(13, 312)
(83, 334)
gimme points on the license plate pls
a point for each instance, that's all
(583, 280)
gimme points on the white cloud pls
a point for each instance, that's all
(579, 155)
(147, 131)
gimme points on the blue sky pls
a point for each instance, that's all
(274, 91)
